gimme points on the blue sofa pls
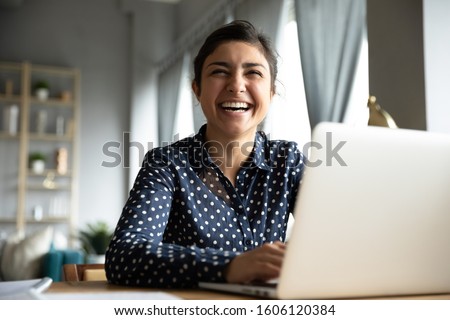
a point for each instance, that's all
(56, 258)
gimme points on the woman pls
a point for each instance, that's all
(215, 206)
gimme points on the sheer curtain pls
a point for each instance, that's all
(184, 115)
(330, 36)
(169, 89)
(288, 114)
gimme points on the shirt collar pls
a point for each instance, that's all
(200, 156)
(259, 151)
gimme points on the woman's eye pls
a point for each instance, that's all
(255, 72)
(219, 71)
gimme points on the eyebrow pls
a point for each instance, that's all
(227, 65)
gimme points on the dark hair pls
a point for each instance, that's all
(238, 30)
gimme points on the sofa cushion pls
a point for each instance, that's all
(52, 264)
(23, 255)
(56, 258)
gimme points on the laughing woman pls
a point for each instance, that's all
(215, 206)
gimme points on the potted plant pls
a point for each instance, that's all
(95, 240)
(41, 89)
(37, 162)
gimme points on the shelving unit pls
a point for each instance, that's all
(49, 196)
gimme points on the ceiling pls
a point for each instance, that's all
(17, 3)
(10, 3)
(165, 1)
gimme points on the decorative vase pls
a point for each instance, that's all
(61, 160)
(41, 123)
(38, 166)
(42, 94)
(11, 119)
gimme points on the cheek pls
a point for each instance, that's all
(264, 94)
(214, 84)
(210, 91)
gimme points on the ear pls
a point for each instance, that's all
(196, 89)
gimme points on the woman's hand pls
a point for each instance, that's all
(260, 264)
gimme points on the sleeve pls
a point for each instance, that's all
(296, 163)
(137, 254)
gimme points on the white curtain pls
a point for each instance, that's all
(330, 36)
(288, 114)
(143, 117)
(168, 92)
(184, 116)
(199, 117)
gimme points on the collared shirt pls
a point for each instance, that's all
(184, 221)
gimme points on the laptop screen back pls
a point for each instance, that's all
(372, 217)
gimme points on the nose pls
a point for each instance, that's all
(236, 84)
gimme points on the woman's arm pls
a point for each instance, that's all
(138, 255)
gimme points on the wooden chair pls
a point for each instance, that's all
(84, 272)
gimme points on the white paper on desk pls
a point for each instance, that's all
(110, 296)
(24, 289)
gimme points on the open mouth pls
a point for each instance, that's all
(235, 106)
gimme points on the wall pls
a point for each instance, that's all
(437, 64)
(189, 12)
(94, 37)
(396, 63)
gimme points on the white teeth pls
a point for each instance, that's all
(235, 105)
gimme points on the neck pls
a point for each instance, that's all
(229, 153)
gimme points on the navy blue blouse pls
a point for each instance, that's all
(184, 221)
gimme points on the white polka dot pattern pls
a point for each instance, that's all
(184, 221)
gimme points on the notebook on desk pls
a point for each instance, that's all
(372, 217)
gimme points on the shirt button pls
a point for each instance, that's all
(248, 242)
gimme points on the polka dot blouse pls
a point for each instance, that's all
(184, 221)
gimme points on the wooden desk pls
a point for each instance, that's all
(188, 294)
(103, 287)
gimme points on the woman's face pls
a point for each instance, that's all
(235, 90)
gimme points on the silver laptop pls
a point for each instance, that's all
(372, 217)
